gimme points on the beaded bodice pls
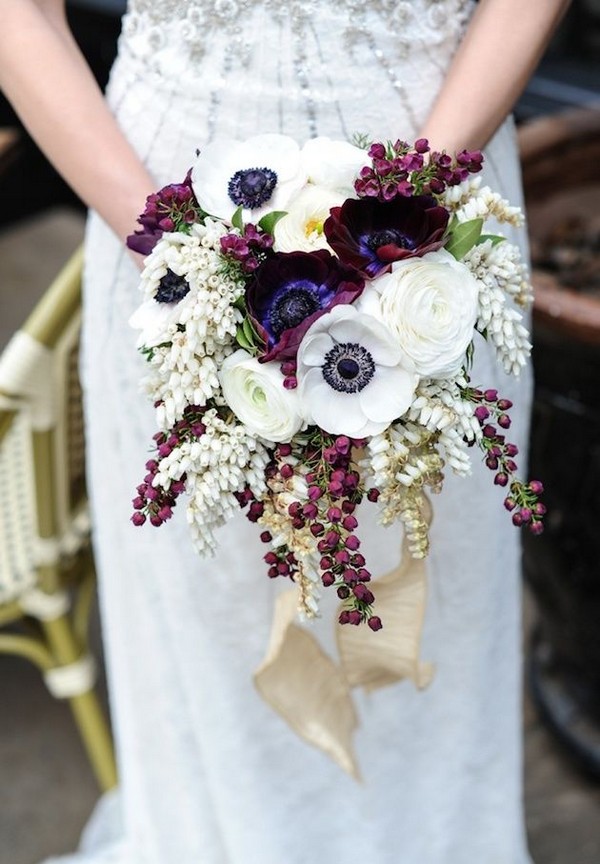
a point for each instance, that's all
(313, 58)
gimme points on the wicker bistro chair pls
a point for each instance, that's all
(46, 568)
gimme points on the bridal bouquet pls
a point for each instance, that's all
(309, 320)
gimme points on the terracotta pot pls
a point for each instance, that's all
(561, 173)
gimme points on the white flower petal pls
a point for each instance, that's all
(315, 347)
(334, 164)
(389, 395)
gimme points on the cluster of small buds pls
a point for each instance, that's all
(500, 265)
(158, 493)
(470, 200)
(399, 169)
(288, 370)
(249, 249)
(522, 501)
(172, 208)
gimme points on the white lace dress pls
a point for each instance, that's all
(209, 774)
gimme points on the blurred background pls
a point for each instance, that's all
(47, 788)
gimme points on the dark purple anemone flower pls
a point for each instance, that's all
(290, 290)
(369, 234)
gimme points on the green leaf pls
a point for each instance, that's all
(237, 220)
(249, 331)
(241, 339)
(493, 238)
(463, 237)
(270, 220)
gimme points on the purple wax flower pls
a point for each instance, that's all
(169, 209)
(290, 290)
(369, 234)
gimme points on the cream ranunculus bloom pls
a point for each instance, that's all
(333, 164)
(301, 230)
(430, 306)
(255, 393)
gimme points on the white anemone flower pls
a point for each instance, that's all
(301, 229)
(334, 164)
(260, 174)
(353, 378)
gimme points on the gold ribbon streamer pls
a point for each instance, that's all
(313, 694)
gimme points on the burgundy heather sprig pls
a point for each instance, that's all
(249, 249)
(401, 170)
(153, 502)
(523, 498)
(172, 208)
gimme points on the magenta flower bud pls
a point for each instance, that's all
(492, 463)
(288, 367)
(350, 523)
(361, 592)
(272, 572)
(363, 575)
(482, 413)
(501, 479)
(156, 520)
(343, 592)
(511, 450)
(271, 558)
(151, 465)
(526, 514)
(138, 519)
(349, 575)
(332, 539)
(255, 511)
(266, 537)
(165, 513)
(151, 493)
(489, 431)
(338, 476)
(138, 503)
(539, 509)
(348, 507)
(342, 444)
(504, 404)
(536, 528)
(326, 562)
(284, 450)
(511, 466)
(327, 578)
(310, 511)
(536, 487)
(352, 542)
(343, 618)
(314, 493)
(504, 421)
(330, 454)
(334, 514)
(295, 509)
(422, 145)
(336, 488)
(317, 530)
(517, 519)
(342, 556)
(298, 523)
(358, 560)
(510, 504)
(490, 395)
(290, 383)
(164, 450)
(354, 617)
(373, 494)
(374, 623)
(173, 440)
(286, 471)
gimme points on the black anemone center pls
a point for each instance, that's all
(292, 306)
(388, 236)
(171, 288)
(252, 187)
(348, 367)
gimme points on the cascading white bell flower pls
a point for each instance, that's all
(333, 164)
(255, 393)
(353, 377)
(260, 174)
(301, 229)
(430, 306)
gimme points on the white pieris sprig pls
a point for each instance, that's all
(470, 200)
(226, 459)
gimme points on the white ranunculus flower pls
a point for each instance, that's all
(334, 164)
(255, 393)
(430, 306)
(353, 378)
(301, 230)
(261, 174)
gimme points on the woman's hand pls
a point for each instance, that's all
(48, 82)
(501, 48)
